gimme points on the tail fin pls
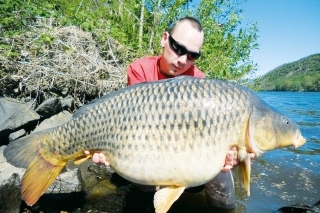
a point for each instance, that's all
(40, 173)
(21, 152)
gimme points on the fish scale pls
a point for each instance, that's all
(174, 133)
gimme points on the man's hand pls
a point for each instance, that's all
(232, 160)
(98, 158)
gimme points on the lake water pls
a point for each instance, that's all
(279, 178)
(287, 176)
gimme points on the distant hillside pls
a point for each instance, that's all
(301, 75)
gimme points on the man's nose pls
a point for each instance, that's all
(183, 59)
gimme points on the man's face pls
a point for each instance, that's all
(172, 63)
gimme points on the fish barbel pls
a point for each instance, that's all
(173, 133)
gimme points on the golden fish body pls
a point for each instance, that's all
(172, 133)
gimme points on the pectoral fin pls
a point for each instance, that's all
(80, 160)
(244, 172)
(164, 198)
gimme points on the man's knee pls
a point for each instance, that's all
(220, 191)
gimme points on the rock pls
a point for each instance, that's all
(15, 115)
(67, 182)
(54, 92)
(10, 194)
(68, 104)
(64, 91)
(38, 95)
(87, 187)
(9, 185)
(55, 120)
(17, 134)
(32, 103)
(49, 107)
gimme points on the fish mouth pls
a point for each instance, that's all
(300, 140)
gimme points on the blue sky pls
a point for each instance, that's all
(288, 30)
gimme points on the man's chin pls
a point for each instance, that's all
(176, 73)
(173, 73)
(169, 74)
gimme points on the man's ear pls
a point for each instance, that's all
(164, 39)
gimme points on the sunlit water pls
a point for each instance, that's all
(287, 176)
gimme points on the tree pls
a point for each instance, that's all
(304, 73)
(307, 83)
(137, 27)
(227, 47)
(226, 52)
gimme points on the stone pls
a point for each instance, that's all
(49, 107)
(15, 115)
(10, 198)
(17, 134)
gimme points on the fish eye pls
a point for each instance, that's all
(286, 120)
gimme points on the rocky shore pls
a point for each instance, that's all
(83, 188)
(39, 91)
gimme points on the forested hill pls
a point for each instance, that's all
(301, 75)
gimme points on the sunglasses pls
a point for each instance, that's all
(182, 50)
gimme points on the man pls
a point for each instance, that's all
(181, 47)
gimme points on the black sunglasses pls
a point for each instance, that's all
(182, 50)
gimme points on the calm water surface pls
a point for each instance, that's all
(287, 176)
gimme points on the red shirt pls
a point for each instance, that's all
(147, 69)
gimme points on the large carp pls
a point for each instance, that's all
(173, 133)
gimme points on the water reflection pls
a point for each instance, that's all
(306, 112)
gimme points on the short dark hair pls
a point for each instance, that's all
(193, 21)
